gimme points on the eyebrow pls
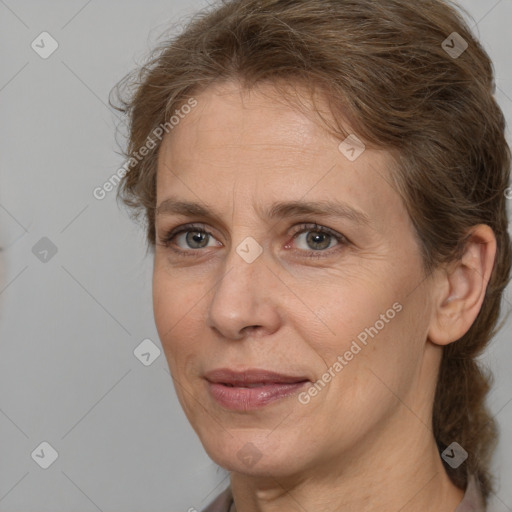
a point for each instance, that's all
(277, 210)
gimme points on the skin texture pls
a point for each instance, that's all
(364, 442)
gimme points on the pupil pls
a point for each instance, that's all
(317, 239)
(196, 237)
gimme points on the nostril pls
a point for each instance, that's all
(251, 328)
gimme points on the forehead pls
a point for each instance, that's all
(254, 145)
(230, 122)
(229, 117)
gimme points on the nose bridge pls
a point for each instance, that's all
(243, 296)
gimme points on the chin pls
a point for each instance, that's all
(250, 454)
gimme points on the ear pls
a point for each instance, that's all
(461, 287)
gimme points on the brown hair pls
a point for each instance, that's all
(384, 67)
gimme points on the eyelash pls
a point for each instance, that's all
(167, 239)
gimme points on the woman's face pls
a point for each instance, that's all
(261, 282)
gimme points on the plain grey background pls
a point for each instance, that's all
(75, 291)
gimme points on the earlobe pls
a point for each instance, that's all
(462, 286)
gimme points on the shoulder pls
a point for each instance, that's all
(473, 500)
(221, 503)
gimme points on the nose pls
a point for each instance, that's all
(245, 300)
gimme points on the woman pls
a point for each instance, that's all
(324, 189)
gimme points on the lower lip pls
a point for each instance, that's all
(244, 399)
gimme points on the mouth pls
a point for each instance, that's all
(251, 378)
(251, 389)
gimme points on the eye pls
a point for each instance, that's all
(186, 239)
(312, 238)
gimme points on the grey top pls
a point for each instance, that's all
(472, 501)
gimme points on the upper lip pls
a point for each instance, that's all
(250, 376)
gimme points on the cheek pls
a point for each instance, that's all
(166, 307)
(365, 326)
(175, 293)
(380, 358)
(178, 316)
(348, 309)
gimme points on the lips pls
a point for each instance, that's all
(251, 378)
(251, 389)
